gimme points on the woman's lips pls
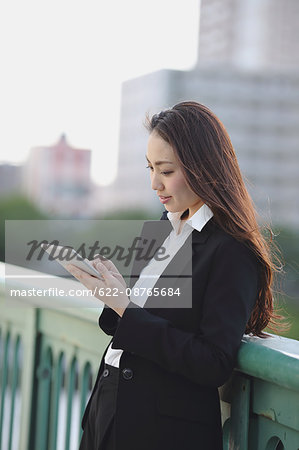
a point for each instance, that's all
(164, 199)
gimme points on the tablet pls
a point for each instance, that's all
(65, 255)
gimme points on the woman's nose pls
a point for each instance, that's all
(157, 185)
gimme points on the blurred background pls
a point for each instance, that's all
(77, 80)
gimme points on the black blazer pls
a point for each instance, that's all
(180, 356)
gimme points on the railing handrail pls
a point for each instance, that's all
(274, 359)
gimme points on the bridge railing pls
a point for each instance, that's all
(49, 359)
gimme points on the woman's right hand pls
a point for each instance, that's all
(110, 266)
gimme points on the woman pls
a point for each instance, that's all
(158, 379)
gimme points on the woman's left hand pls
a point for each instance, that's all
(111, 291)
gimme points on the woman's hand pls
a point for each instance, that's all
(111, 291)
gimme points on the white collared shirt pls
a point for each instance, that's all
(154, 269)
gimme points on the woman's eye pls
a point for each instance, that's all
(162, 173)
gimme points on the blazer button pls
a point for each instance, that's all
(127, 374)
(106, 373)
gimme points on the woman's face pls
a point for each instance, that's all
(167, 177)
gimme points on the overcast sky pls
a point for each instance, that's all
(63, 61)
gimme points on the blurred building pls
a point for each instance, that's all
(57, 179)
(251, 34)
(259, 107)
(131, 189)
(11, 177)
(261, 114)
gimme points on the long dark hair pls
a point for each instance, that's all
(208, 160)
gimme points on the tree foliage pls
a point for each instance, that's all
(16, 207)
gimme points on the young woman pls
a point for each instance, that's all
(157, 383)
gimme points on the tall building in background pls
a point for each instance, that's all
(261, 114)
(131, 189)
(250, 34)
(259, 107)
(57, 179)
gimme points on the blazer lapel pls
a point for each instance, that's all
(200, 237)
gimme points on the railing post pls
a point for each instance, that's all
(44, 373)
(84, 379)
(15, 377)
(58, 373)
(70, 394)
(4, 382)
(239, 421)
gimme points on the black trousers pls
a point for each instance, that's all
(99, 431)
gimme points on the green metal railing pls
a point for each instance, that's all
(49, 359)
(263, 394)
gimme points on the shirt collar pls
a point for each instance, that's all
(197, 221)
